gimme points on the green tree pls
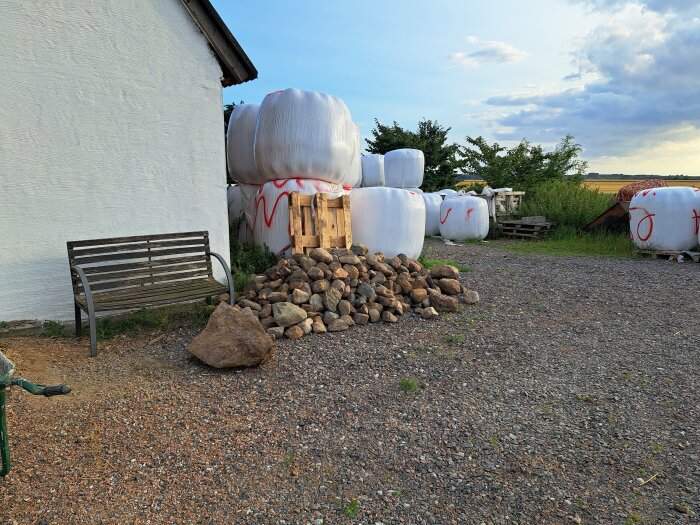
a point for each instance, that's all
(524, 166)
(441, 158)
(228, 108)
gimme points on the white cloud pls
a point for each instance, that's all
(638, 79)
(487, 51)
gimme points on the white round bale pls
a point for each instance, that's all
(403, 168)
(463, 217)
(305, 135)
(388, 220)
(665, 218)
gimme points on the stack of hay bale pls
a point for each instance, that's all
(294, 141)
(334, 290)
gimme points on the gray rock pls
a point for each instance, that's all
(287, 314)
(337, 326)
(316, 301)
(331, 298)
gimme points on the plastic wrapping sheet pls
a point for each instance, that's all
(432, 203)
(240, 138)
(388, 220)
(403, 168)
(305, 135)
(372, 170)
(463, 217)
(665, 218)
(271, 222)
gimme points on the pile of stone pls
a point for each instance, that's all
(334, 290)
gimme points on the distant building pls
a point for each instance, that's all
(110, 125)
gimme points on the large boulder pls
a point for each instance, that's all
(232, 338)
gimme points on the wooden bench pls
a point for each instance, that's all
(125, 273)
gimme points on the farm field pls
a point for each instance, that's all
(604, 185)
(611, 185)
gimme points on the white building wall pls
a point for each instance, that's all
(110, 125)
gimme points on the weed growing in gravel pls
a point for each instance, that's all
(584, 397)
(396, 493)
(247, 260)
(352, 509)
(634, 518)
(628, 377)
(642, 472)
(455, 338)
(3, 325)
(657, 448)
(408, 385)
(494, 441)
(55, 330)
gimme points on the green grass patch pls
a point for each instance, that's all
(352, 509)
(565, 241)
(408, 385)
(152, 319)
(429, 263)
(247, 260)
(55, 330)
(455, 338)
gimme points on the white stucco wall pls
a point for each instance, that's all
(110, 125)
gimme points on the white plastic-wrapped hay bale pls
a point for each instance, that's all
(372, 170)
(240, 138)
(305, 135)
(432, 203)
(388, 220)
(463, 217)
(403, 168)
(235, 203)
(356, 165)
(271, 222)
(665, 218)
(447, 192)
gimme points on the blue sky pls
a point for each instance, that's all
(622, 77)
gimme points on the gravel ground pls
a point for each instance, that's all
(574, 381)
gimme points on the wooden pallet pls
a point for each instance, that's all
(319, 222)
(508, 202)
(671, 255)
(524, 229)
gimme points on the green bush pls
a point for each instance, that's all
(566, 203)
(247, 260)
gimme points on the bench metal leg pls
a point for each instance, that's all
(93, 333)
(78, 322)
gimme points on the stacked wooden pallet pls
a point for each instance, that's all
(671, 255)
(525, 228)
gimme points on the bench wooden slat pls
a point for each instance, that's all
(136, 238)
(152, 279)
(135, 246)
(147, 271)
(90, 271)
(117, 302)
(143, 290)
(144, 254)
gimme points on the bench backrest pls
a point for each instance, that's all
(123, 262)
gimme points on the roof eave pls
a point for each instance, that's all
(235, 64)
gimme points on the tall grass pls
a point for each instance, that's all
(566, 203)
(247, 260)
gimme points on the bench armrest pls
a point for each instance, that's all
(229, 277)
(86, 285)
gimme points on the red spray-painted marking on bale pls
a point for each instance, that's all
(469, 212)
(268, 220)
(648, 216)
(442, 221)
(696, 218)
